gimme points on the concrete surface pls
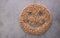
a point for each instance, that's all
(10, 10)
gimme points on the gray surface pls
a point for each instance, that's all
(10, 10)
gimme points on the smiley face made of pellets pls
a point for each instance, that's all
(35, 19)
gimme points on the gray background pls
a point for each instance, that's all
(10, 10)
